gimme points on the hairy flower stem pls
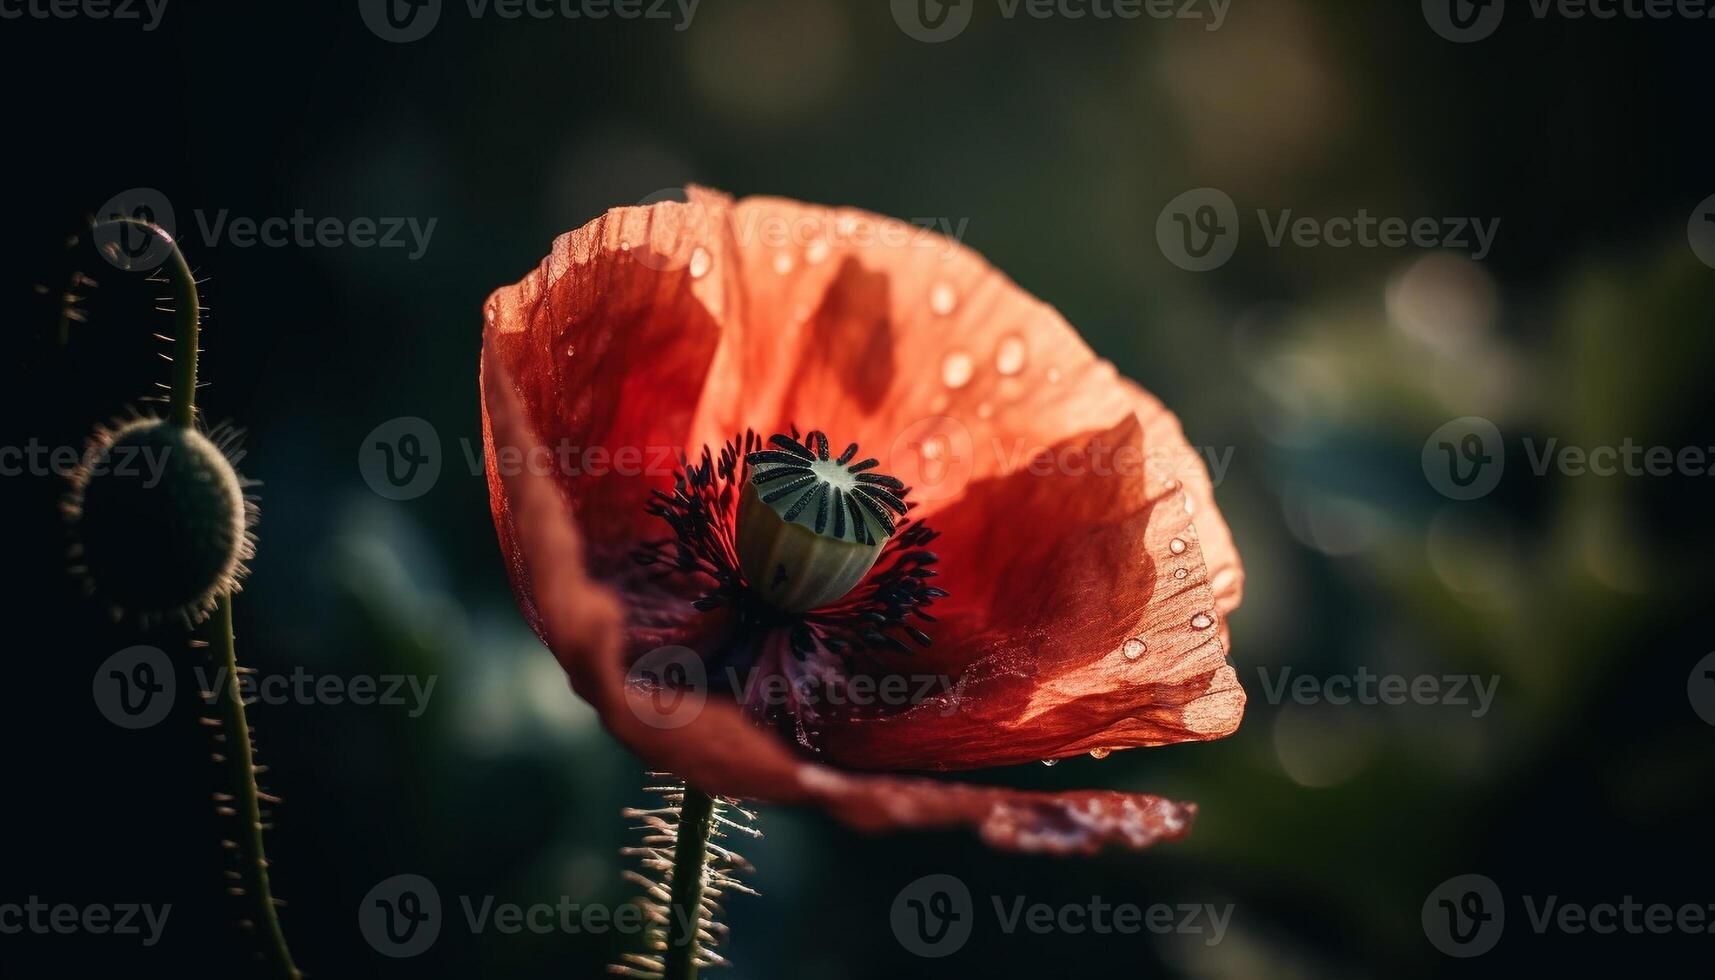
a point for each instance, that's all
(239, 755)
(187, 323)
(685, 913)
(246, 798)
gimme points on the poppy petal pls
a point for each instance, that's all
(1117, 648)
(717, 749)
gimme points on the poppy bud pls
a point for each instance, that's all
(160, 518)
(810, 527)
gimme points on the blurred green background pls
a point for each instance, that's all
(1323, 370)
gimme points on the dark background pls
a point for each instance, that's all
(1061, 141)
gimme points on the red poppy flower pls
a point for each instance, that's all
(1075, 595)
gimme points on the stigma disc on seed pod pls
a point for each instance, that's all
(811, 525)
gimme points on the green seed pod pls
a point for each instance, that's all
(161, 520)
(811, 526)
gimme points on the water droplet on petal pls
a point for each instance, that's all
(1101, 753)
(1010, 355)
(957, 369)
(1201, 621)
(490, 314)
(1177, 546)
(985, 410)
(1181, 573)
(701, 261)
(1051, 763)
(783, 263)
(817, 251)
(1133, 648)
(942, 299)
(1054, 375)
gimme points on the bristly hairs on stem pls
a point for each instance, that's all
(235, 749)
(686, 872)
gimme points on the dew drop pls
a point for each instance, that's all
(1050, 763)
(700, 262)
(1181, 573)
(1177, 546)
(1133, 648)
(957, 369)
(1010, 355)
(490, 314)
(1054, 375)
(1201, 621)
(816, 252)
(985, 410)
(942, 299)
(783, 263)
(1101, 753)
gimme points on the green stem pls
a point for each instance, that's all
(690, 854)
(246, 798)
(240, 758)
(187, 323)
